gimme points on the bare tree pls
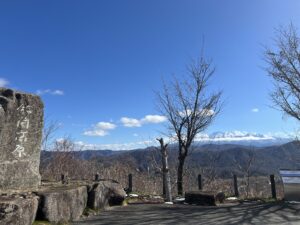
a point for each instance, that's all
(165, 168)
(284, 67)
(211, 171)
(59, 157)
(49, 132)
(246, 168)
(189, 108)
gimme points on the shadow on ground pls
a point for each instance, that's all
(246, 213)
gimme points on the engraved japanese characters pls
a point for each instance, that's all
(21, 125)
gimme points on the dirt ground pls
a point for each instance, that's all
(244, 213)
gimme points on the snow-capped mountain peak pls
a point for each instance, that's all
(245, 138)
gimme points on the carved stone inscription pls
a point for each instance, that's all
(21, 124)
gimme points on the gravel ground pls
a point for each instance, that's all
(246, 213)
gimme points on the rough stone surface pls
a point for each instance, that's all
(21, 124)
(105, 193)
(18, 210)
(200, 198)
(62, 203)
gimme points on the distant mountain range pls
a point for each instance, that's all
(233, 137)
(224, 159)
(245, 138)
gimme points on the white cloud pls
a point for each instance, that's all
(106, 126)
(50, 92)
(130, 122)
(60, 140)
(100, 129)
(135, 135)
(185, 113)
(208, 112)
(96, 133)
(3, 82)
(153, 119)
(148, 119)
(255, 110)
(57, 92)
(205, 112)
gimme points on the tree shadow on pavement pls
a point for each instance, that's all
(246, 213)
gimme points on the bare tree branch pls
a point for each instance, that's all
(284, 68)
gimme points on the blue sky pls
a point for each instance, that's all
(99, 61)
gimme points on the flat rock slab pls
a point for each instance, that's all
(18, 210)
(246, 214)
(62, 204)
(21, 125)
(145, 199)
(200, 198)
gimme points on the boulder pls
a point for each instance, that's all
(200, 198)
(60, 204)
(21, 125)
(105, 193)
(18, 210)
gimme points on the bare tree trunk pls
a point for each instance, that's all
(180, 175)
(164, 178)
(167, 177)
(167, 188)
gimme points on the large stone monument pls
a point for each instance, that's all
(21, 125)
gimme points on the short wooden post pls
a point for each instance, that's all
(199, 182)
(130, 183)
(273, 186)
(235, 185)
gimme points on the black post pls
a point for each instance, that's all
(235, 184)
(97, 177)
(129, 183)
(199, 182)
(273, 186)
(64, 178)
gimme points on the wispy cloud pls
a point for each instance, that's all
(100, 129)
(115, 146)
(3, 82)
(97, 133)
(255, 110)
(148, 119)
(50, 92)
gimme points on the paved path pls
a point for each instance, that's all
(246, 213)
